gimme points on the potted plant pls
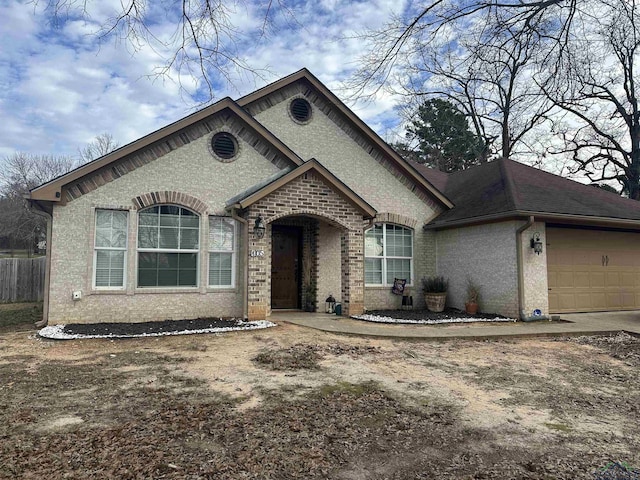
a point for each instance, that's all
(435, 292)
(473, 293)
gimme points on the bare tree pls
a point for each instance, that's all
(204, 42)
(103, 143)
(19, 173)
(487, 75)
(599, 93)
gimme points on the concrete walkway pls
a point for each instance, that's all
(580, 324)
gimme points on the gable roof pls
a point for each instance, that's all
(261, 190)
(51, 191)
(505, 188)
(389, 153)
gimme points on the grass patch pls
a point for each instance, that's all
(353, 389)
(561, 427)
(297, 357)
(20, 314)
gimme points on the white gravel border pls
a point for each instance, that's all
(56, 332)
(382, 319)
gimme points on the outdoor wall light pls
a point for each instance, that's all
(536, 243)
(259, 228)
(330, 304)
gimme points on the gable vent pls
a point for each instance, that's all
(300, 110)
(224, 145)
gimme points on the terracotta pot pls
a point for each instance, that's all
(471, 308)
(435, 301)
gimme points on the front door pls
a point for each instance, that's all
(285, 267)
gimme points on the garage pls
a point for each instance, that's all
(592, 270)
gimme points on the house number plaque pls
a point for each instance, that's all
(256, 253)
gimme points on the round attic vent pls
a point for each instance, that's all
(224, 145)
(300, 110)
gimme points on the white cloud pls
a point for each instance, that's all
(62, 87)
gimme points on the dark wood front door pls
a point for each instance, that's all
(285, 265)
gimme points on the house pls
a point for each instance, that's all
(283, 197)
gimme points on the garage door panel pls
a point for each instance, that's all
(592, 270)
(596, 279)
(628, 280)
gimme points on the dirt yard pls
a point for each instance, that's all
(289, 402)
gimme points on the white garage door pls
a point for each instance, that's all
(592, 270)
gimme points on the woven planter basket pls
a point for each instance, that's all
(435, 301)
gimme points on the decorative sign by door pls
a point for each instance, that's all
(256, 253)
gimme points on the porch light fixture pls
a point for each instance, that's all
(259, 228)
(536, 243)
(330, 304)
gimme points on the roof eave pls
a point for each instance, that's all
(368, 211)
(52, 190)
(571, 219)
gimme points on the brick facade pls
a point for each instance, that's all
(308, 197)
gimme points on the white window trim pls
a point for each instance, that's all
(233, 256)
(124, 249)
(384, 257)
(168, 250)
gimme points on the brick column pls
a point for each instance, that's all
(259, 273)
(352, 260)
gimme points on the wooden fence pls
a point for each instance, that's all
(22, 279)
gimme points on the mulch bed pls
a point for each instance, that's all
(126, 329)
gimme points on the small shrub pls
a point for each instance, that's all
(436, 284)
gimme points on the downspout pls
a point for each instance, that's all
(523, 315)
(245, 262)
(47, 269)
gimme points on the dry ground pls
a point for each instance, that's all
(289, 402)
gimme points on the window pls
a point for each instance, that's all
(110, 248)
(222, 246)
(168, 242)
(388, 254)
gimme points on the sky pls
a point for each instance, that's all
(62, 84)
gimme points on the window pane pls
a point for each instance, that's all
(148, 218)
(221, 233)
(169, 210)
(147, 278)
(147, 260)
(373, 271)
(373, 242)
(147, 237)
(189, 220)
(189, 239)
(398, 268)
(187, 278)
(167, 278)
(187, 260)
(109, 268)
(220, 269)
(168, 237)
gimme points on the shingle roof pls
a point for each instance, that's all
(505, 187)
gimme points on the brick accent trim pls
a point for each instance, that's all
(178, 198)
(309, 213)
(396, 218)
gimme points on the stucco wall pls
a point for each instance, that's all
(486, 254)
(190, 169)
(322, 139)
(329, 277)
(534, 269)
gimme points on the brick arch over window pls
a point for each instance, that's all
(310, 213)
(177, 198)
(397, 219)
